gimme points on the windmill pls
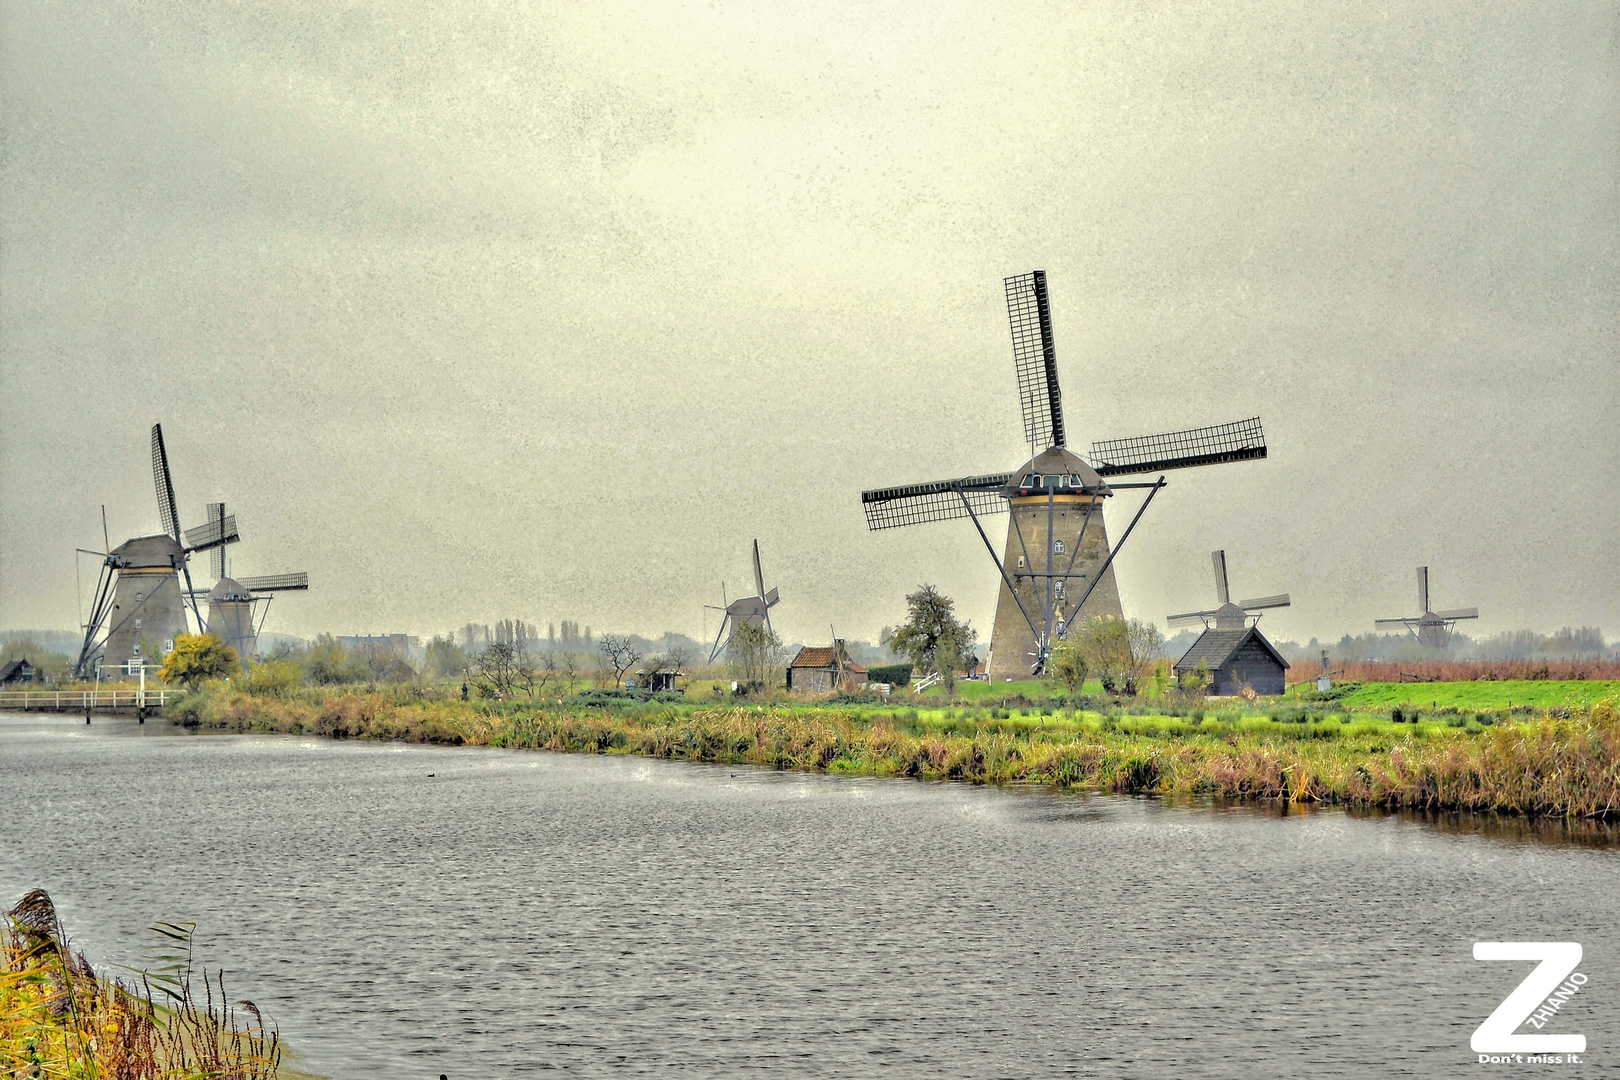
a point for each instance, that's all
(138, 598)
(745, 611)
(1227, 615)
(1431, 628)
(1232, 649)
(237, 607)
(1058, 566)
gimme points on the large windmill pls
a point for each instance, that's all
(746, 611)
(1431, 628)
(1058, 564)
(237, 607)
(139, 605)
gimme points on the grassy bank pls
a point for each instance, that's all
(59, 1018)
(1564, 762)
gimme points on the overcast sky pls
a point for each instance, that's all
(548, 310)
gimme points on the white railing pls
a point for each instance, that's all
(82, 699)
(922, 684)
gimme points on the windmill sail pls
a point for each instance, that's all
(914, 504)
(275, 582)
(1035, 359)
(1264, 602)
(213, 535)
(165, 486)
(1222, 593)
(1242, 440)
(1423, 588)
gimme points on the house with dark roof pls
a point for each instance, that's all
(1236, 657)
(19, 670)
(821, 671)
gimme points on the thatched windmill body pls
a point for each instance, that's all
(1057, 564)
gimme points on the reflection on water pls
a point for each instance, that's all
(515, 912)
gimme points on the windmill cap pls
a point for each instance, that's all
(228, 589)
(150, 552)
(1067, 470)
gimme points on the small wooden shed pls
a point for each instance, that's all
(1236, 658)
(18, 671)
(821, 671)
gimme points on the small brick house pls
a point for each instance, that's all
(1236, 658)
(821, 671)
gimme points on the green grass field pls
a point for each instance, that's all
(1540, 694)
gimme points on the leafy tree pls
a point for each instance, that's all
(1121, 654)
(755, 655)
(197, 658)
(328, 664)
(932, 638)
(1068, 665)
(443, 658)
(271, 677)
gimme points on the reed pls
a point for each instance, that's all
(58, 1018)
(1563, 762)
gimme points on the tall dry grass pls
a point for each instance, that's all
(59, 1019)
(1564, 765)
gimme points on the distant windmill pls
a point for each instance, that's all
(138, 595)
(1234, 653)
(237, 607)
(1058, 565)
(1431, 628)
(746, 611)
(1227, 616)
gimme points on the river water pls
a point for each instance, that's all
(407, 911)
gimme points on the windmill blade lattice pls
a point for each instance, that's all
(1035, 358)
(165, 486)
(1241, 440)
(915, 504)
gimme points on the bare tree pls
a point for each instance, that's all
(755, 653)
(620, 654)
(502, 668)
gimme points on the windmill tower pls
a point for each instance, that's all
(139, 606)
(1433, 629)
(237, 608)
(746, 611)
(1232, 649)
(1057, 565)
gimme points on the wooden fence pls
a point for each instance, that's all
(85, 700)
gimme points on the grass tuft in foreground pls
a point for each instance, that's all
(59, 1019)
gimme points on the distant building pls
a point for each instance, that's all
(820, 671)
(1236, 658)
(18, 671)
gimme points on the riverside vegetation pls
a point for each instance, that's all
(1561, 760)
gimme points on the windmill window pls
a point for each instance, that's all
(136, 648)
(139, 597)
(1057, 589)
(1020, 562)
(137, 624)
(1058, 548)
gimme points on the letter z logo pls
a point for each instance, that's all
(1497, 1035)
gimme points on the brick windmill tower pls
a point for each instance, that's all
(1057, 565)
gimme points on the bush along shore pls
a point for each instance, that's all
(1563, 762)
